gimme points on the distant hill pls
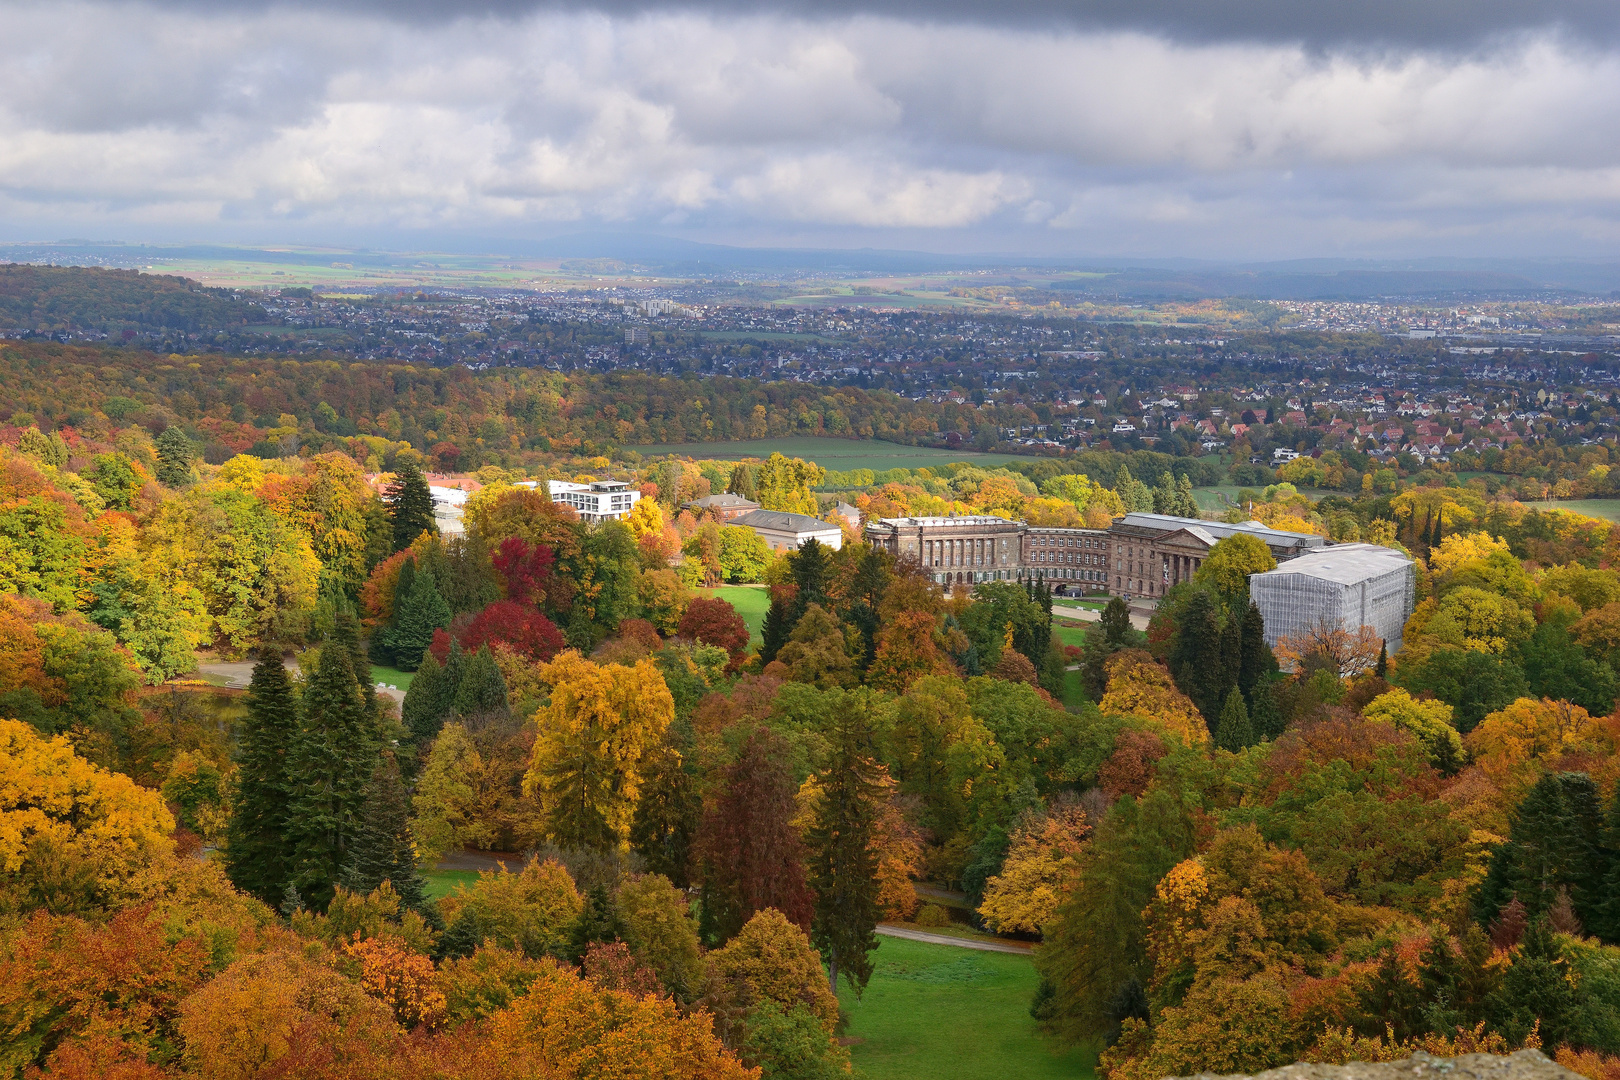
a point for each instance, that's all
(54, 298)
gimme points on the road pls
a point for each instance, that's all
(961, 943)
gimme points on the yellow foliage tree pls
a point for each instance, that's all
(1511, 745)
(1139, 686)
(586, 766)
(1023, 897)
(1461, 548)
(774, 959)
(49, 794)
(1429, 721)
(531, 912)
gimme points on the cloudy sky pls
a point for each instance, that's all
(1237, 129)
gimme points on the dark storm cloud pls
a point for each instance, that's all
(1317, 23)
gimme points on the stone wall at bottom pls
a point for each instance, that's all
(1524, 1065)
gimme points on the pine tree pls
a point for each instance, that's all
(1231, 656)
(410, 505)
(843, 867)
(779, 622)
(1434, 537)
(346, 636)
(1382, 667)
(258, 857)
(1188, 502)
(420, 613)
(428, 700)
(1266, 717)
(174, 455)
(1197, 659)
(1233, 732)
(481, 691)
(1164, 496)
(1554, 841)
(1256, 660)
(811, 572)
(329, 766)
(1116, 623)
(668, 813)
(381, 849)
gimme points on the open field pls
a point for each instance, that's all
(943, 1013)
(441, 883)
(840, 454)
(751, 602)
(1607, 509)
(392, 676)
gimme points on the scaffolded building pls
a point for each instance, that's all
(1346, 586)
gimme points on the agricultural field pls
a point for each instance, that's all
(1606, 509)
(838, 454)
(944, 1013)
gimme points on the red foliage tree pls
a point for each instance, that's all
(528, 632)
(752, 855)
(1132, 765)
(715, 622)
(525, 568)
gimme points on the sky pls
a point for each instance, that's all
(1243, 129)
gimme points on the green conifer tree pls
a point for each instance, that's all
(428, 700)
(346, 636)
(174, 456)
(1266, 717)
(381, 848)
(1554, 842)
(1187, 502)
(843, 867)
(1197, 658)
(1381, 669)
(258, 856)
(410, 505)
(1256, 661)
(481, 691)
(811, 572)
(330, 764)
(1233, 732)
(779, 623)
(1165, 500)
(1116, 623)
(423, 611)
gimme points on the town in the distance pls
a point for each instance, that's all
(514, 669)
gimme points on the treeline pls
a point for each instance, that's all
(232, 404)
(53, 298)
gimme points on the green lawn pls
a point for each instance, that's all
(751, 602)
(937, 1012)
(1607, 509)
(392, 676)
(838, 454)
(1070, 635)
(441, 883)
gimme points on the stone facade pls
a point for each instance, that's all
(954, 550)
(1067, 557)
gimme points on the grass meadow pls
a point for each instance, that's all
(837, 454)
(946, 1013)
(1606, 509)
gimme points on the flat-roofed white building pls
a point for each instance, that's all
(1346, 585)
(601, 500)
(783, 531)
(448, 505)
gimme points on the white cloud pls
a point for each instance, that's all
(113, 114)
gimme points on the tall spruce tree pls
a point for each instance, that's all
(346, 636)
(812, 570)
(1555, 841)
(381, 848)
(1116, 623)
(428, 700)
(1266, 717)
(1605, 915)
(1233, 732)
(330, 764)
(410, 505)
(1197, 659)
(1257, 661)
(779, 622)
(258, 856)
(481, 691)
(1187, 501)
(421, 612)
(843, 867)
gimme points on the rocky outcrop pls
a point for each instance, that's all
(1524, 1065)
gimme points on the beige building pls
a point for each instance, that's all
(954, 550)
(783, 531)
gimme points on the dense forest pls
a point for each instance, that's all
(45, 299)
(1233, 855)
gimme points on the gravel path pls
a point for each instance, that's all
(960, 943)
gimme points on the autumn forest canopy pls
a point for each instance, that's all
(1233, 851)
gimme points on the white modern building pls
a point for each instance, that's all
(783, 531)
(1347, 585)
(448, 505)
(601, 500)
